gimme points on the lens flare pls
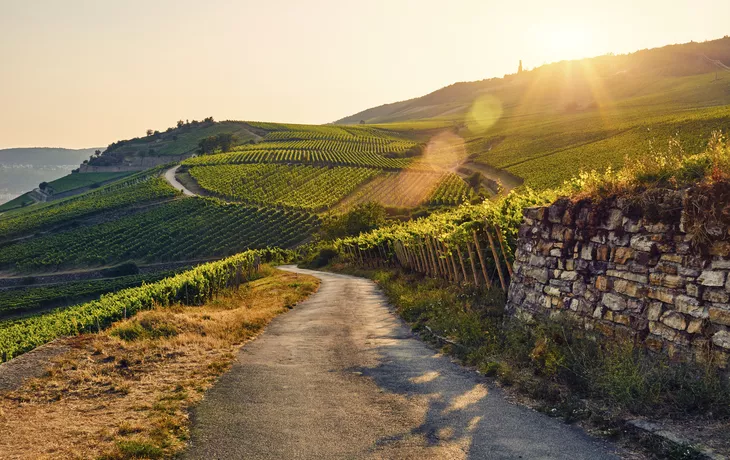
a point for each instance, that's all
(485, 112)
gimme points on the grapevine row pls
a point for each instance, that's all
(193, 287)
(316, 157)
(134, 193)
(305, 187)
(186, 229)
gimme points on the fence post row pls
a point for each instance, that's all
(433, 257)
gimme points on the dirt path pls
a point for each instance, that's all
(341, 377)
(170, 177)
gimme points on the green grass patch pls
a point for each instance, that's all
(554, 362)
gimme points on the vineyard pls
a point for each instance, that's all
(315, 157)
(185, 229)
(409, 189)
(364, 145)
(304, 187)
(23, 299)
(114, 197)
(471, 244)
(452, 190)
(74, 181)
(193, 287)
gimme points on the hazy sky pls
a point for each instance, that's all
(82, 73)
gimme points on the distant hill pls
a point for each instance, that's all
(554, 79)
(22, 169)
(44, 156)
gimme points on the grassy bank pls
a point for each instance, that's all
(126, 392)
(556, 367)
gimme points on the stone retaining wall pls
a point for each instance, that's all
(628, 273)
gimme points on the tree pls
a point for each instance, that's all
(180, 123)
(150, 132)
(97, 152)
(222, 141)
(208, 120)
(43, 185)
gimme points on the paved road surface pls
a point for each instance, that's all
(170, 177)
(341, 377)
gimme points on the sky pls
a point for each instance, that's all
(85, 73)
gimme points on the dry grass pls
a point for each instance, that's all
(125, 393)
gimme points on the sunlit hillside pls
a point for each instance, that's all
(545, 124)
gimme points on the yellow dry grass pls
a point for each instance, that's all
(125, 393)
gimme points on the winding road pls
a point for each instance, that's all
(170, 177)
(340, 376)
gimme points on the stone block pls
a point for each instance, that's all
(622, 319)
(695, 326)
(579, 287)
(720, 315)
(674, 320)
(635, 277)
(687, 272)
(670, 281)
(711, 278)
(716, 295)
(614, 219)
(629, 288)
(665, 332)
(654, 312)
(551, 291)
(569, 275)
(667, 268)
(672, 258)
(537, 261)
(614, 302)
(588, 252)
(720, 264)
(631, 225)
(693, 290)
(690, 306)
(540, 275)
(661, 294)
(643, 243)
(722, 339)
(603, 283)
(603, 252)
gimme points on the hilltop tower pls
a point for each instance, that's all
(519, 69)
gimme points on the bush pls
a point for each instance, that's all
(363, 218)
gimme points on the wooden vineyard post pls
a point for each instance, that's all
(424, 257)
(496, 259)
(417, 262)
(473, 265)
(433, 257)
(441, 260)
(502, 245)
(450, 257)
(487, 281)
(457, 276)
(461, 262)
